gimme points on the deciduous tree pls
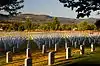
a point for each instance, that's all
(82, 7)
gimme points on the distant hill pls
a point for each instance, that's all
(46, 18)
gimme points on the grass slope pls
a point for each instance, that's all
(42, 60)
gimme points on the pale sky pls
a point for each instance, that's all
(50, 7)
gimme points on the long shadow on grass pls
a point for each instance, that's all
(62, 62)
(83, 56)
(82, 62)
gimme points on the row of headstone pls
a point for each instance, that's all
(9, 55)
(51, 55)
(82, 49)
(44, 48)
(28, 59)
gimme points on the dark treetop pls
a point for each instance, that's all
(82, 7)
(10, 7)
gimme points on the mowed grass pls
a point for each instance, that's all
(38, 59)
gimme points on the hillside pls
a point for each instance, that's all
(46, 18)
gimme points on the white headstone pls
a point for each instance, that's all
(8, 57)
(28, 62)
(56, 48)
(68, 52)
(43, 49)
(92, 47)
(17, 45)
(81, 49)
(51, 58)
(49, 43)
(65, 45)
(13, 49)
(75, 45)
(28, 53)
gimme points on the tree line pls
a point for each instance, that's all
(55, 25)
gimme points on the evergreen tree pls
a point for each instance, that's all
(10, 7)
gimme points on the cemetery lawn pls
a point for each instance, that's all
(39, 59)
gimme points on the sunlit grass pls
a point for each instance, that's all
(38, 59)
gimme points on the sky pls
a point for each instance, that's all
(50, 7)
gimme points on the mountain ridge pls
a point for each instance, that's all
(47, 18)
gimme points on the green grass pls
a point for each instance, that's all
(87, 58)
(42, 60)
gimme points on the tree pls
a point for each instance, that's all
(62, 27)
(92, 27)
(97, 23)
(82, 7)
(82, 25)
(55, 23)
(10, 7)
(21, 27)
(43, 27)
(15, 26)
(28, 24)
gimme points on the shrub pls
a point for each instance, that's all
(82, 25)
